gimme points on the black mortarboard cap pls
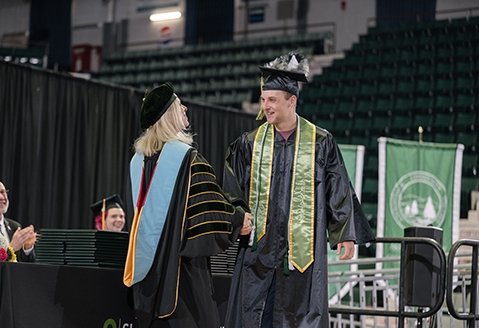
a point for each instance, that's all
(155, 104)
(113, 201)
(284, 73)
(99, 208)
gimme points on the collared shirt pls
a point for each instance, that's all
(4, 232)
(3, 229)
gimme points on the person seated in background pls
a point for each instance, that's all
(22, 240)
(109, 214)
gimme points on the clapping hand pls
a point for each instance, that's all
(23, 238)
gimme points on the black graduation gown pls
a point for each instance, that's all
(178, 287)
(300, 299)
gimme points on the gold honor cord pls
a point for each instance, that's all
(301, 214)
(260, 181)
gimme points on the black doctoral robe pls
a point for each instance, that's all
(300, 299)
(177, 291)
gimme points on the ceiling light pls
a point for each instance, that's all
(165, 16)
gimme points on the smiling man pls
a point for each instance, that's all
(21, 239)
(290, 175)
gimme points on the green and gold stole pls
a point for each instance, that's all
(301, 213)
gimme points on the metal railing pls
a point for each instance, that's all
(374, 297)
(472, 316)
(401, 313)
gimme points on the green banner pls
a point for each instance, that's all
(353, 156)
(419, 185)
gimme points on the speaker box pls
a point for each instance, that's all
(422, 268)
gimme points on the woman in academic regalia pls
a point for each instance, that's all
(181, 218)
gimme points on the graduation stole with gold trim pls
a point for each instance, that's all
(301, 214)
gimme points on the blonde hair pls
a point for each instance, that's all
(169, 127)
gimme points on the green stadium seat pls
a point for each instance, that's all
(444, 85)
(444, 120)
(443, 137)
(402, 122)
(384, 105)
(470, 164)
(341, 138)
(444, 102)
(353, 74)
(425, 55)
(465, 121)
(370, 210)
(403, 104)
(407, 55)
(371, 164)
(368, 89)
(345, 107)
(424, 85)
(406, 71)
(343, 124)
(423, 103)
(465, 83)
(362, 123)
(424, 120)
(309, 109)
(464, 66)
(468, 139)
(465, 102)
(370, 190)
(359, 139)
(350, 90)
(364, 106)
(425, 69)
(387, 87)
(388, 71)
(444, 68)
(387, 58)
(405, 86)
(464, 52)
(327, 124)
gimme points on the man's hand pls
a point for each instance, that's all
(23, 238)
(247, 224)
(348, 250)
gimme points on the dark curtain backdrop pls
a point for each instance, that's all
(67, 142)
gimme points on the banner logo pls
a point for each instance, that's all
(111, 323)
(418, 198)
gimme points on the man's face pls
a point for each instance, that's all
(3, 199)
(115, 220)
(276, 107)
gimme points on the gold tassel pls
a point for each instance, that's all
(103, 210)
(260, 115)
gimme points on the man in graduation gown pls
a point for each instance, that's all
(290, 175)
(181, 218)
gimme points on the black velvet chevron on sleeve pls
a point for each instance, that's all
(212, 223)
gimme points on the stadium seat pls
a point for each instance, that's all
(470, 164)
